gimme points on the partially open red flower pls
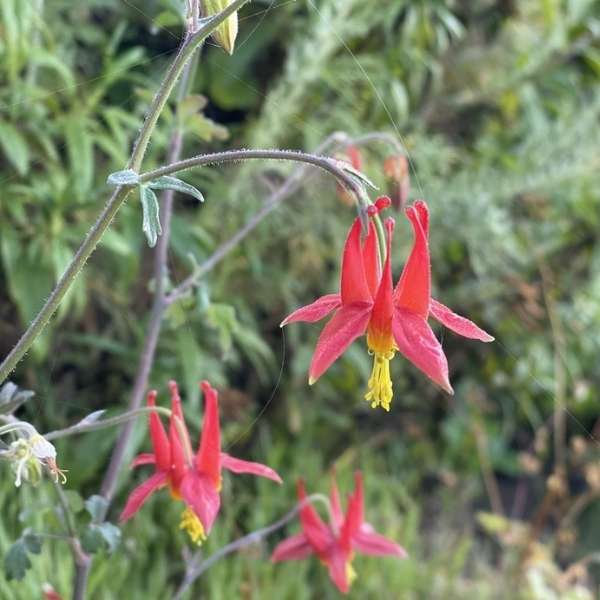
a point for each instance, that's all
(336, 543)
(193, 478)
(393, 319)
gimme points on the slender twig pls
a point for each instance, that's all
(81, 559)
(118, 197)
(104, 423)
(489, 479)
(335, 167)
(196, 570)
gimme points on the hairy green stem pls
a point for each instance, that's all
(192, 41)
(323, 162)
(104, 423)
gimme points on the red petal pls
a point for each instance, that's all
(371, 261)
(380, 324)
(311, 313)
(457, 323)
(158, 435)
(144, 459)
(141, 493)
(295, 547)
(239, 466)
(354, 515)
(336, 506)
(423, 215)
(179, 464)
(348, 323)
(417, 342)
(337, 562)
(316, 532)
(368, 542)
(200, 494)
(413, 291)
(353, 284)
(208, 458)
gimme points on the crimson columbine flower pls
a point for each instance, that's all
(336, 543)
(393, 319)
(193, 478)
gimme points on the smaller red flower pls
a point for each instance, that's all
(336, 543)
(193, 478)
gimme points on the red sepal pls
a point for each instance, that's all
(348, 323)
(415, 339)
(141, 493)
(295, 547)
(200, 494)
(240, 467)
(311, 313)
(456, 323)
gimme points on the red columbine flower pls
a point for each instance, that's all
(195, 479)
(336, 543)
(393, 319)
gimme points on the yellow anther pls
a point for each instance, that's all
(350, 573)
(380, 383)
(191, 523)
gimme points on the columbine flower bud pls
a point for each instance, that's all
(353, 157)
(395, 169)
(226, 32)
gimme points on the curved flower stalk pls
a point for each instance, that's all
(393, 319)
(336, 543)
(193, 478)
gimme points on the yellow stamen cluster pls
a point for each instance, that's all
(350, 573)
(380, 383)
(191, 523)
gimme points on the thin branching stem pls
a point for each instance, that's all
(196, 569)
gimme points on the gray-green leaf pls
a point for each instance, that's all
(96, 537)
(16, 560)
(150, 218)
(11, 397)
(172, 183)
(126, 177)
(96, 506)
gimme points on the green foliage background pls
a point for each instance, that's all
(497, 104)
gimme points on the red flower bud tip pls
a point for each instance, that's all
(383, 202)
(389, 225)
(380, 204)
(355, 157)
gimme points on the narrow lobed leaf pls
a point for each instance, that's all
(172, 183)
(150, 215)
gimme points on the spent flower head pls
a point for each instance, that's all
(30, 453)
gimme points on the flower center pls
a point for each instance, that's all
(380, 383)
(191, 523)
